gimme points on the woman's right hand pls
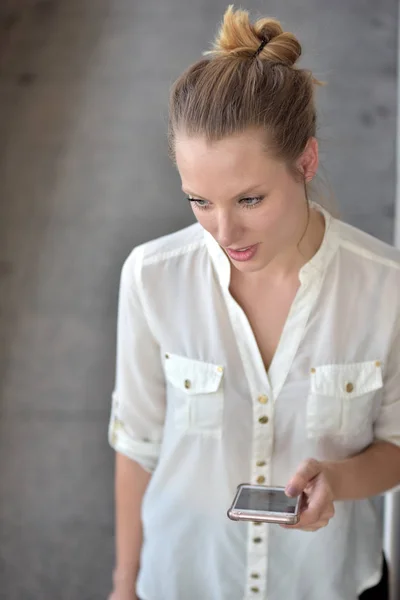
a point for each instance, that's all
(124, 589)
(122, 595)
(124, 585)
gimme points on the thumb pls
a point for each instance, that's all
(308, 469)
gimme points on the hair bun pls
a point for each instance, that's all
(238, 37)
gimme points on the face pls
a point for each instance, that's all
(248, 201)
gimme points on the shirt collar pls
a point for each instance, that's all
(314, 268)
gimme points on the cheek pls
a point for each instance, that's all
(207, 220)
(203, 218)
(268, 220)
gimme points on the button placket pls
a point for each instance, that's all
(262, 440)
(259, 384)
(257, 559)
(256, 573)
(258, 532)
(262, 422)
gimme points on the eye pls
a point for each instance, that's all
(246, 202)
(251, 202)
(202, 204)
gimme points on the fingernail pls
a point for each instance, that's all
(290, 491)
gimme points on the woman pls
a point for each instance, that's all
(259, 345)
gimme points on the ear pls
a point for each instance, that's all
(307, 163)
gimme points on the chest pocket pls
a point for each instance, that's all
(195, 391)
(342, 399)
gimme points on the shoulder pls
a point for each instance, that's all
(165, 248)
(367, 249)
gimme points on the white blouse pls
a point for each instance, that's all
(194, 405)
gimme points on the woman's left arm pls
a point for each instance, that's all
(372, 472)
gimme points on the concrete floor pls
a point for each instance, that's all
(84, 176)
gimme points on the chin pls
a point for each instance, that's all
(248, 267)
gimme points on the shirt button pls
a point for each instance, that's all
(349, 388)
(263, 420)
(255, 589)
(257, 540)
(187, 384)
(255, 576)
(263, 399)
(261, 479)
(257, 523)
(261, 463)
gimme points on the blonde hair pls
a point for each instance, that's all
(235, 89)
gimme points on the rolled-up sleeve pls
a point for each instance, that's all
(138, 400)
(387, 425)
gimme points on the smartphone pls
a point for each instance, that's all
(265, 504)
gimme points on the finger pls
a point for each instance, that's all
(320, 525)
(314, 527)
(306, 471)
(313, 514)
(329, 513)
(306, 520)
(309, 518)
(319, 501)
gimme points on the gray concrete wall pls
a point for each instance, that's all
(392, 500)
(84, 176)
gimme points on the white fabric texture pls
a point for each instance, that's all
(192, 394)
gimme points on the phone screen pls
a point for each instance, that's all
(265, 500)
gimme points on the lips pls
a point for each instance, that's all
(243, 254)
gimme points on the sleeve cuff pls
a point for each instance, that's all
(144, 453)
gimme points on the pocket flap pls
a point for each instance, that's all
(346, 380)
(192, 376)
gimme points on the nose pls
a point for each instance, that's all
(227, 229)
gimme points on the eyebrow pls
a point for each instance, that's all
(241, 195)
